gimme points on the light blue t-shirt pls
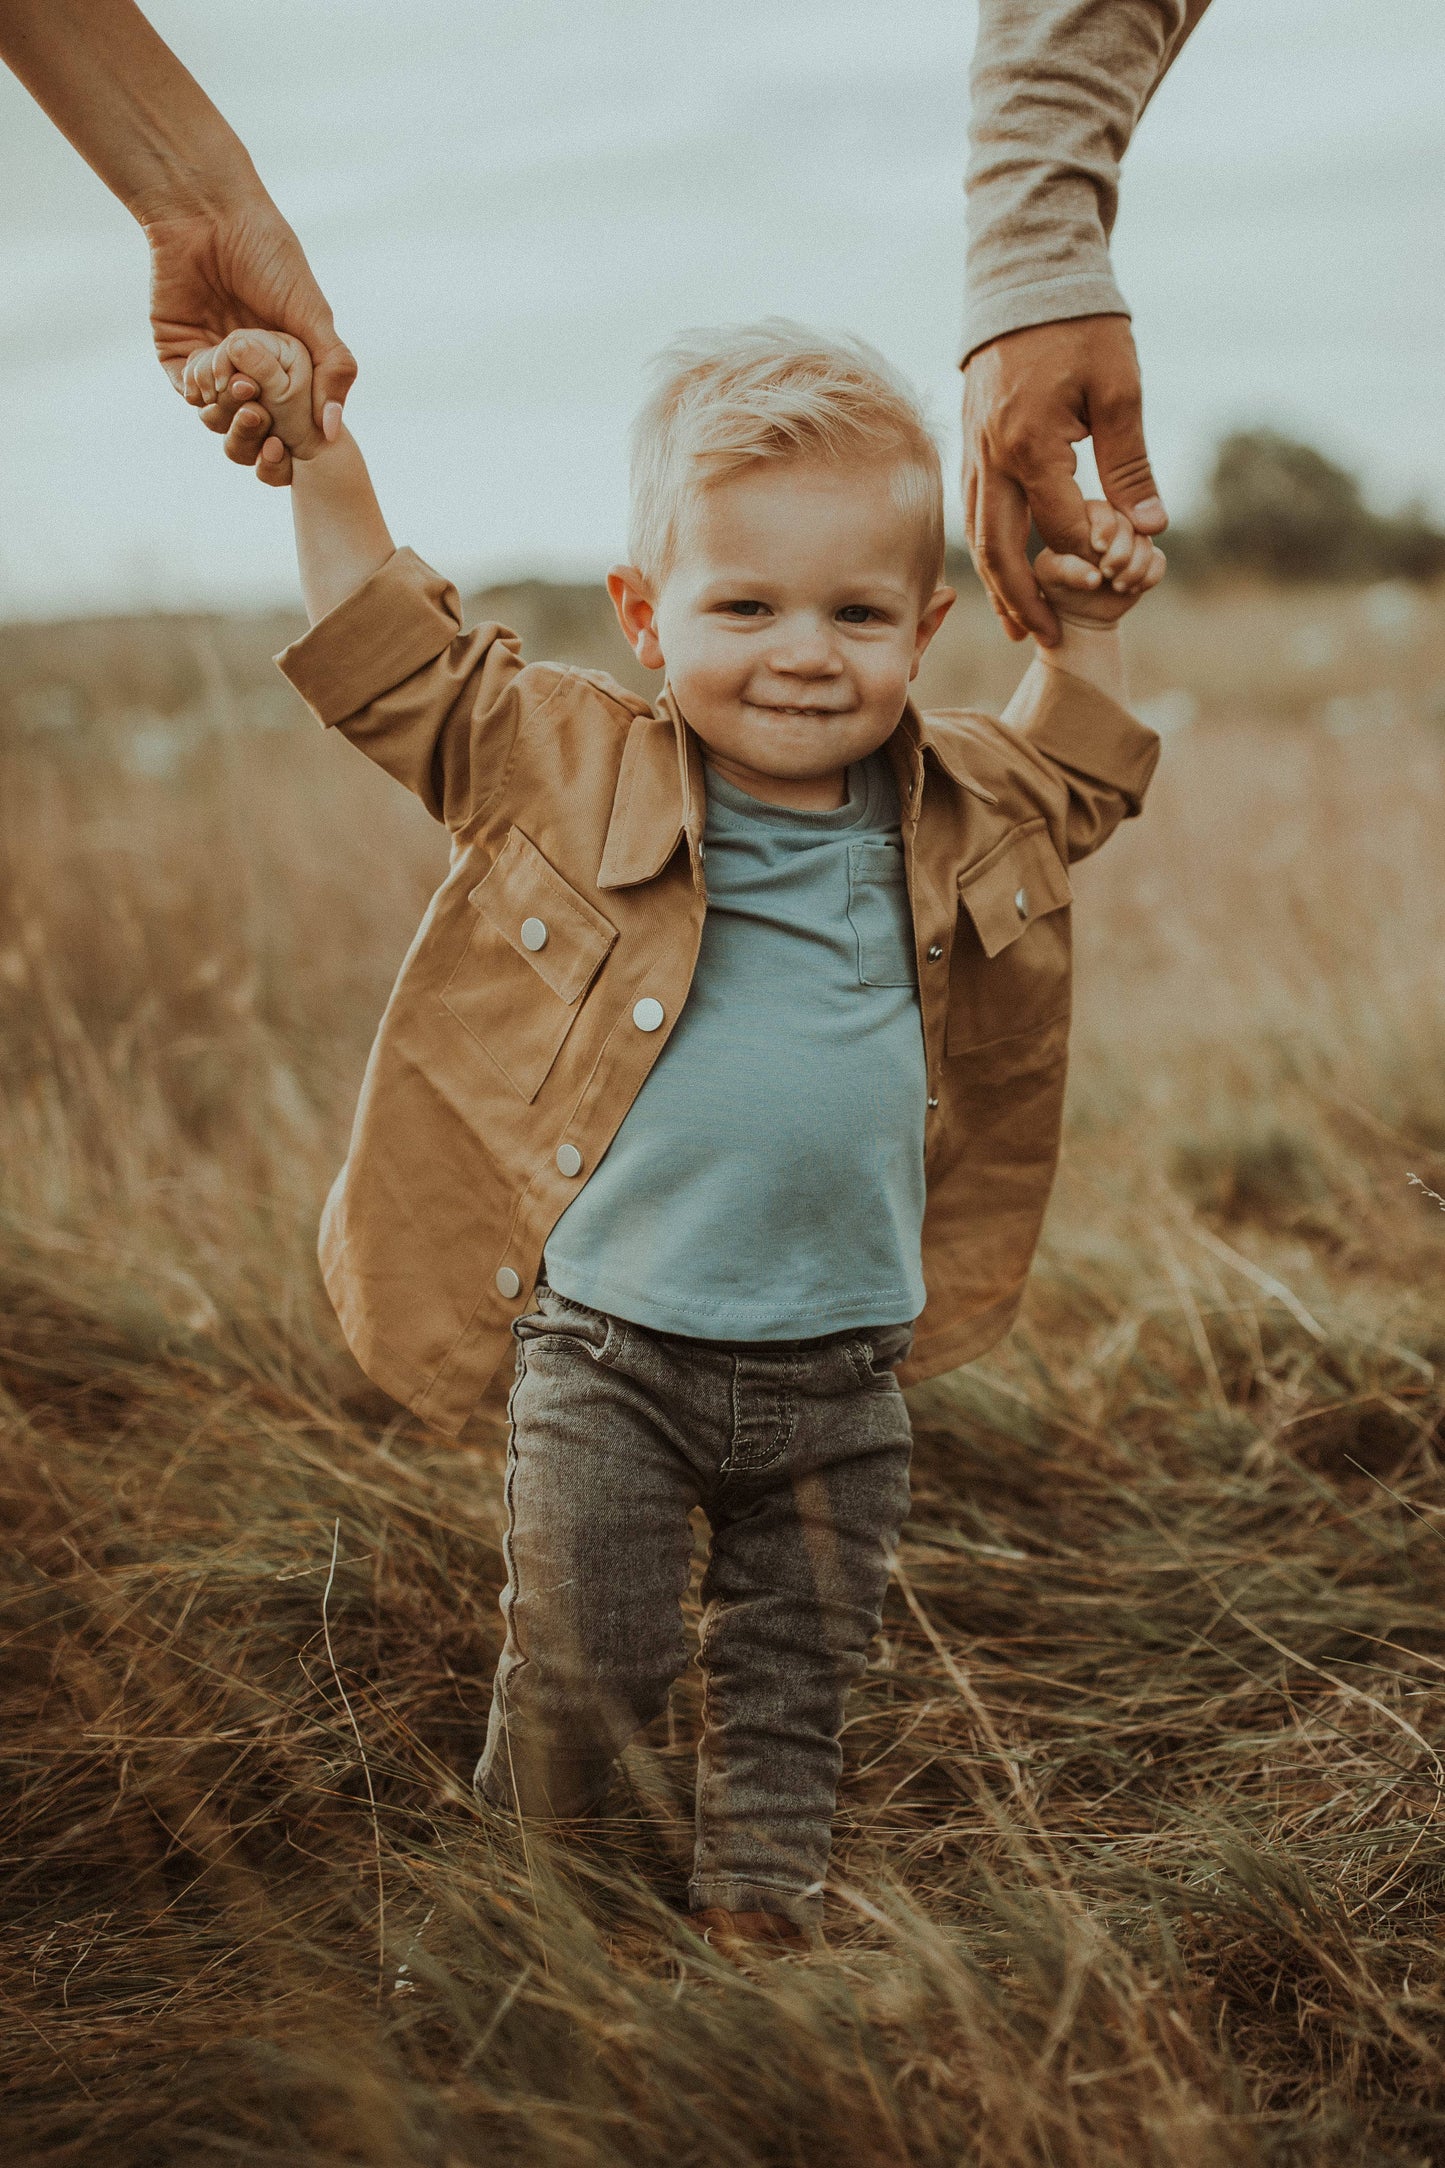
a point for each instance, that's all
(767, 1181)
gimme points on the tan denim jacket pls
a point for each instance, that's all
(556, 956)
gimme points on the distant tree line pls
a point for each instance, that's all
(1282, 509)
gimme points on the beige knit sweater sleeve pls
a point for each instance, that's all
(1057, 90)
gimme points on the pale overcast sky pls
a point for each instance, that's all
(511, 203)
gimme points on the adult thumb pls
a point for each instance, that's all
(1122, 458)
(1057, 505)
(333, 372)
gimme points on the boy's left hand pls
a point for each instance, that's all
(1099, 595)
(269, 374)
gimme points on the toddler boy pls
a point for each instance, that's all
(725, 1072)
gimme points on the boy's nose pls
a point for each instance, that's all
(804, 651)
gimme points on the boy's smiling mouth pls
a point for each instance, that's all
(779, 707)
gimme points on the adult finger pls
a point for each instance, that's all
(333, 374)
(979, 549)
(221, 405)
(1056, 501)
(221, 419)
(999, 542)
(246, 435)
(1116, 419)
(274, 465)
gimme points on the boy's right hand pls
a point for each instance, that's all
(271, 372)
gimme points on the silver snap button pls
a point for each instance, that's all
(1021, 902)
(933, 1102)
(534, 933)
(569, 1159)
(508, 1282)
(647, 1014)
(935, 951)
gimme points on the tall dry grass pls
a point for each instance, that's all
(1140, 1853)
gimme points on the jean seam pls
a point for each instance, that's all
(513, 1577)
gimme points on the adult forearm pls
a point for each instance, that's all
(1057, 90)
(341, 536)
(118, 93)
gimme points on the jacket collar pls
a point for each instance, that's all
(659, 797)
(660, 794)
(916, 736)
(947, 748)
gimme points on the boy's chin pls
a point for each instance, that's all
(796, 771)
(802, 762)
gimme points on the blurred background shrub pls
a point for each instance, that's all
(1283, 510)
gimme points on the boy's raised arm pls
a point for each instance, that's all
(1070, 702)
(386, 661)
(1090, 600)
(341, 535)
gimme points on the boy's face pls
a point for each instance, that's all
(791, 623)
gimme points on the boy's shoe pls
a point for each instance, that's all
(748, 1934)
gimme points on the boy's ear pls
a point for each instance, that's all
(632, 600)
(939, 603)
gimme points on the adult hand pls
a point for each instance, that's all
(222, 256)
(1028, 398)
(235, 268)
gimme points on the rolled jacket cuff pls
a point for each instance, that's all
(1042, 301)
(1076, 726)
(396, 622)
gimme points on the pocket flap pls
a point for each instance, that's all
(1021, 879)
(539, 915)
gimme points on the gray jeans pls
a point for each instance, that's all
(798, 1453)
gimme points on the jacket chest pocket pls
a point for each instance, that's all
(536, 948)
(1012, 952)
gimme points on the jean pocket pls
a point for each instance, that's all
(878, 909)
(876, 1355)
(557, 1317)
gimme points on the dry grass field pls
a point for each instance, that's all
(1141, 1855)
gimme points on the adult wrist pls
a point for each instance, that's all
(211, 181)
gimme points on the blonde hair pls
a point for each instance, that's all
(724, 398)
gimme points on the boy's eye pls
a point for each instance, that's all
(744, 609)
(857, 613)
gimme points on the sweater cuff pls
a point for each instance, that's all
(1076, 726)
(396, 622)
(1044, 301)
